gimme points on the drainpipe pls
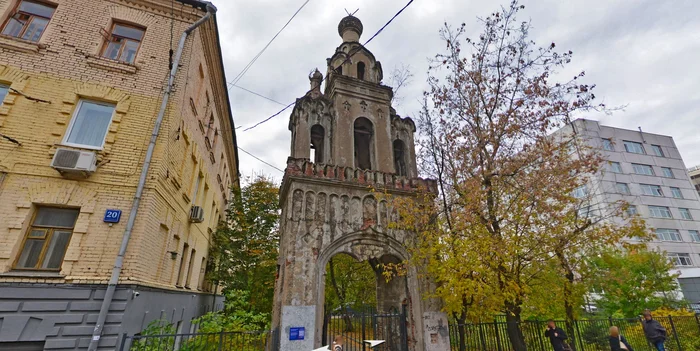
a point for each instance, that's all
(118, 262)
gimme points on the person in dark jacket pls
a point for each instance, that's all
(556, 336)
(654, 331)
(617, 341)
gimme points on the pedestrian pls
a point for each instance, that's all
(654, 331)
(617, 341)
(338, 343)
(556, 336)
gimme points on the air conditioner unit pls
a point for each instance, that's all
(74, 161)
(196, 214)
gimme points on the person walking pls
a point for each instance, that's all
(654, 331)
(556, 336)
(617, 341)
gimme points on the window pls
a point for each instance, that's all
(608, 145)
(364, 133)
(195, 187)
(668, 173)
(181, 270)
(642, 169)
(202, 274)
(694, 235)
(47, 238)
(631, 210)
(190, 265)
(89, 125)
(318, 134)
(3, 92)
(651, 190)
(676, 192)
(29, 20)
(685, 213)
(680, 259)
(657, 150)
(580, 192)
(634, 147)
(615, 167)
(586, 212)
(668, 235)
(623, 188)
(361, 70)
(123, 43)
(400, 158)
(660, 212)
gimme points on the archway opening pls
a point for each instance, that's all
(317, 143)
(400, 157)
(364, 143)
(361, 70)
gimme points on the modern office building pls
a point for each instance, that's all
(82, 86)
(646, 170)
(694, 173)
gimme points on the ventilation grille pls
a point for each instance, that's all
(66, 158)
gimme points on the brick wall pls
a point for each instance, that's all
(63, 68)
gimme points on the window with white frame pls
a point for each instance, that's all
(634, 147)
(651, 190)
(685, 214)
(694, 235)
(89, 125)
(668, 173)
(680, 259)
(665, 234)
(631, 210)
(615, 167)
(580, 192)
(676, 192)
(622, 188)
(3, 92)
(660, 212)
(642, 169)
(657, 150)
(608, 145)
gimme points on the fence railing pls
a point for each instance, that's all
(583, 335)
(239, 341)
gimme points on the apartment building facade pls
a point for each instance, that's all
(81, 88)
(646, 170)
(694, 173)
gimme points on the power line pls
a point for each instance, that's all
(259, 159)
(247, 67)
(350, 55)
(260, 95)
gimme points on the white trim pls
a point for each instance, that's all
(69, 129)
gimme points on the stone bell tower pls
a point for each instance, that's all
(347, 140)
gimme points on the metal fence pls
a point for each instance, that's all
(238, 341)
(357, 325)
(583, 335)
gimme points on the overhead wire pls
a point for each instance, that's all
(257, 94)
(350, 55)
(259, 159)
(247, 67)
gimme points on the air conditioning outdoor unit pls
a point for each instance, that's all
(196, 214)
(74, 161)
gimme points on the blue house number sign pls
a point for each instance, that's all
(112, 216)
(296, 333)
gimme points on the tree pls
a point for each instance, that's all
(634, 279)
(244, 249)
(400, 77)
(501, 176)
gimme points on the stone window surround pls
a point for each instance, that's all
(16, 81)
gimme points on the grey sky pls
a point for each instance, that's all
(640, 53)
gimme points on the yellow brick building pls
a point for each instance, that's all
(89, 76)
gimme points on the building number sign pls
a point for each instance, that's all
(112, 216)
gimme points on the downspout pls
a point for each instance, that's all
(119, 261)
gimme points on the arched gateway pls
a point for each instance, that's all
(328, 206)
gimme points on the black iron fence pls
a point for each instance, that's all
(584, 335)
(357, 325)
(234, 341)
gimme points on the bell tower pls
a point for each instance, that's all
(346, 141)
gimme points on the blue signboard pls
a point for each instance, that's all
(112, 216)
(296, 333)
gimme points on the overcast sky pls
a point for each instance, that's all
(641, 53)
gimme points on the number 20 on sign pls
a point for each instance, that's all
(112, 216)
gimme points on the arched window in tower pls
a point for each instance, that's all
(317, 138)
(364, 143)
(400, 158)
(361, 70)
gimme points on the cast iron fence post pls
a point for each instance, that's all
(675, 335)
(498, 339)
(221, 340)
(121, 348)
(580, 339)
(481, 336)
(362, 318)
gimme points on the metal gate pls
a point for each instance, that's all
(367, 324)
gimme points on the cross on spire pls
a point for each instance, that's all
(351, 14)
